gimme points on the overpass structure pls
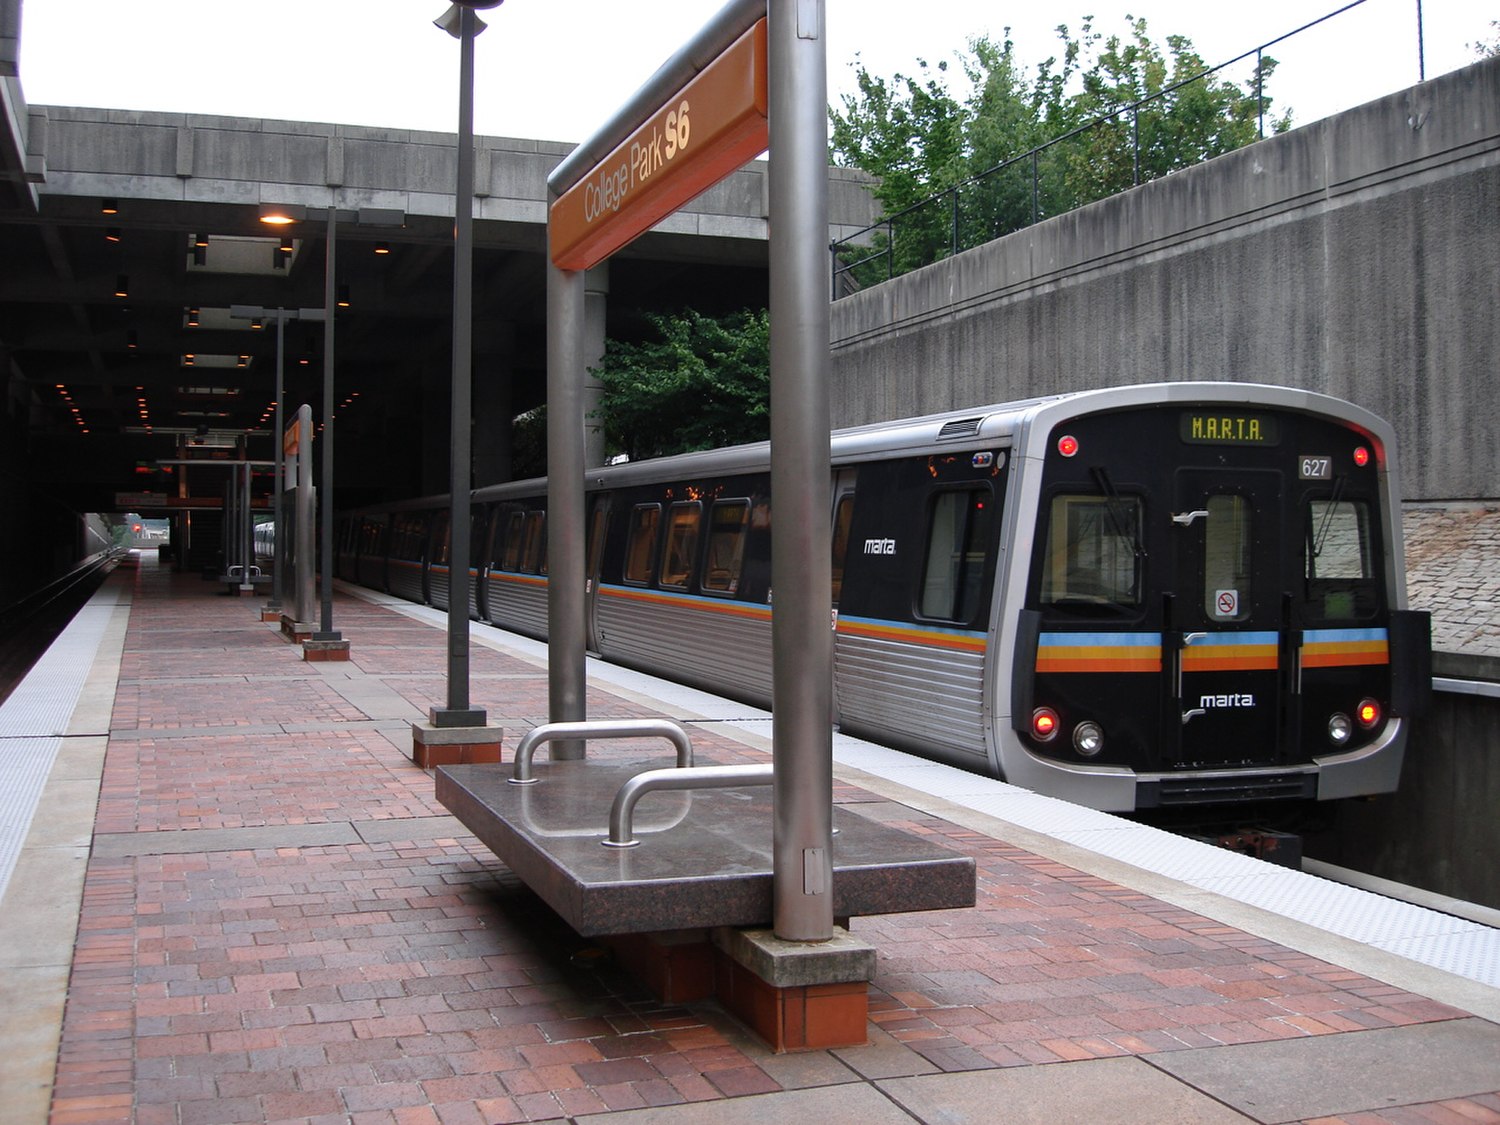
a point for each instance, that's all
(127, 238)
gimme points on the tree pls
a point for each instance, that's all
(1491, 49)
(919, 140)
(696, 382)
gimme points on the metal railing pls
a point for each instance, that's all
(1016, 193)
(622, 728)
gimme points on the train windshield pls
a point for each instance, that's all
(1339, 560)
(1091, 557)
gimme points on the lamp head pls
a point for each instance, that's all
(451, 21)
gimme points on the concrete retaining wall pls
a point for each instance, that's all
(1358, 256)
(1439, 832)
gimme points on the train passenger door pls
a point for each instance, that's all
(1225, 640)
(598, 526)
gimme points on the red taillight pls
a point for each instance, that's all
(1067, 445)
(1044, 724)
(1361, 456)
(1368, 713)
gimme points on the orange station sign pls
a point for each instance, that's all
(716, 123)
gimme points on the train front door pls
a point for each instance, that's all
(1225, 645)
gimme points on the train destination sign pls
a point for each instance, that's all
(706, 130)
(1228, 428)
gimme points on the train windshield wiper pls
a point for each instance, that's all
(1333, 502)
(1119, 512)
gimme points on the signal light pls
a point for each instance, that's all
(1361, 456)
(1368, 713)
(1044, 724)
(1067, 445)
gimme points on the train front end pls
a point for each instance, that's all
(1212, 599)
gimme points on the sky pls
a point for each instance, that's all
(558, 69)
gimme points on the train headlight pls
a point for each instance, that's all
(1368, 713)
(1339, 728)
(1044, 724)
(1088, 739)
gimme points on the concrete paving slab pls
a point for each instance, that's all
(799, 1070)
(31, 999)
(1121, 1091)
(119, 845)
(411, 828)
(856, 1102)
(884, 1057)
(1326, 1075)
(39, 914)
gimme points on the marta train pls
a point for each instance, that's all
(1168, 595)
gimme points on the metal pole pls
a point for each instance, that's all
(458, 712)
(304, 515)
(325, 492)
(567, 675)
(247, 530)
(1421, 47)
(1260, 99)
(802, 641)
(277, 526)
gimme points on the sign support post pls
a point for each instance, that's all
(757, 74)
(801, 635)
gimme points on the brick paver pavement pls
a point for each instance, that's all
(404, 976)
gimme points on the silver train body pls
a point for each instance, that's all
(1166, 595)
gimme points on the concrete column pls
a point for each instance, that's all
(595, 305)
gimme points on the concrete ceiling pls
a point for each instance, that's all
(102, 384)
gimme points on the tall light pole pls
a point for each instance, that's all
(326, 631)
(463, 23)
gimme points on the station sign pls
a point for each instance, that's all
(712, 126)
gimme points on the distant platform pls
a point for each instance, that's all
(704, 859)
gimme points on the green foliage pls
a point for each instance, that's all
(919, 139)
(697, 382)
(1488, 49)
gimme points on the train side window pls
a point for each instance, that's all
(954, 570)
(1227, 541)
(843, 516)
(682, 543)
(727, 521)
(1090, 557)
(1339, 559)
(510, 550)
(640, 545)
(441, 540)
(533, 558)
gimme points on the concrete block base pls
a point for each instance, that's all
(795, 996)
(325, 650)
(433, 746)
(270, 615)
(296, 631)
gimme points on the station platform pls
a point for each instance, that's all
(229, 896)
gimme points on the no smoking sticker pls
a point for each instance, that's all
(1226, 603)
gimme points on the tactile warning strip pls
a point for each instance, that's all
(35, 718)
